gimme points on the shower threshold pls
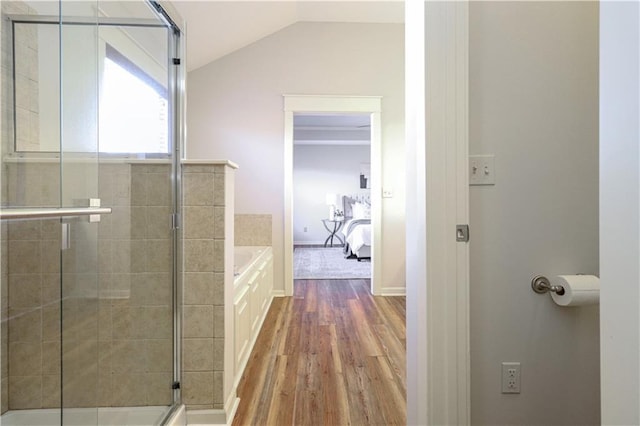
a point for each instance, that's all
(103, 416)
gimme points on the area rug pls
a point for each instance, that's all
(327, 263)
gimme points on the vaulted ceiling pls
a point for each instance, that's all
(217, 28)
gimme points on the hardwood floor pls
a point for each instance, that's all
(330, 355)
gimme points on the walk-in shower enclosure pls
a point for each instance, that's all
(91, 138)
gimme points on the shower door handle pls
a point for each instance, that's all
(65, 241)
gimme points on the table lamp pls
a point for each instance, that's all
(331, 201)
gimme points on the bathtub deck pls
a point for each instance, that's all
(331, 355)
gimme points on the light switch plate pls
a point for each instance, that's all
(482, 170)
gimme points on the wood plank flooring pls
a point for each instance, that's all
(330, 355)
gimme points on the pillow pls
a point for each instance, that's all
(366, 208)
(361, 211)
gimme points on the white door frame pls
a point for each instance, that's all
(334, 104)
(619, 206)
(438, 364)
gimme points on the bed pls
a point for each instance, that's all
(357, 226)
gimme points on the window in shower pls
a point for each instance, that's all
(137, 126)
(130, 115)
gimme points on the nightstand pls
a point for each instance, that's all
(333, 230)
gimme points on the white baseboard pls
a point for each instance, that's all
(215, 417)
(207, 418)
(277, 293)
(308, 243)
(231, 406)
(393, 291)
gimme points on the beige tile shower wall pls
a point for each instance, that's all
(135, 286)
(4, 315)
(204, 280)
(26, 79)
(34, 314)
(117, 298)
(4, 306)
(4, 365)
(31, 256)
(26, 112)
(253, 229)
(4, 303)
(34, 288)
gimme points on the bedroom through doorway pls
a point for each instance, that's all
(329, 105)
(331, 196)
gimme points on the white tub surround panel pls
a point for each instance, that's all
(252, 298)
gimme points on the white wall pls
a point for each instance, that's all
(619, 212)
(317, 171)
(534, 104)
(235, 109)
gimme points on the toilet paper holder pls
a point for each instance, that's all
(541, 285)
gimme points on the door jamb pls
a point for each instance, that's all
(438, 357)
(334, 104)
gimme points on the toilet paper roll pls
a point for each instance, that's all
(579, 290)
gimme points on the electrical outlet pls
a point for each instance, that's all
(510, 377)
(306, 229)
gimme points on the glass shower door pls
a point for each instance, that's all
(117, 274)
(88, 305)
(80, 354)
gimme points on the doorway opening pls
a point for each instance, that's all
(310, 106)
(332, 229)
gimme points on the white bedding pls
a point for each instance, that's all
(360, 236)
